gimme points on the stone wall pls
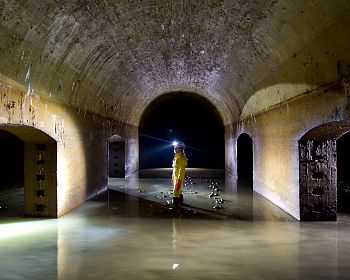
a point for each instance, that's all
(276, 134)
(81, 141)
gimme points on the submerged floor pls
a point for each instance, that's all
(140, 238)
(205, 194)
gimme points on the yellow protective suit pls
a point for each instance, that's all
(179, 166)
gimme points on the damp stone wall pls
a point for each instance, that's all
(81, 139)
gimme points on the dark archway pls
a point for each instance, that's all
(343, 173)
(245, 174)
(185, 117)
(245, 158)
(116, 157)
(33, 158)
(318, 171)
(11, 175)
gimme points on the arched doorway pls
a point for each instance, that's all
(343, 174)
(116, 157)
(36, 163)
(186, 117)
(318, 167)
(11, 175)
(245, 158)
(245, 175)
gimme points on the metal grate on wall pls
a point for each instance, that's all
(41, 202)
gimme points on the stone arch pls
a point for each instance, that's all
(245, 157)
(116, 157)
(221, 107)
(182, 113)
(318, 171)
(40, 170)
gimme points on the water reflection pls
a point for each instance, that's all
(95, 241)
(138, 238)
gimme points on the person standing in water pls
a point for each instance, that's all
(179, 167)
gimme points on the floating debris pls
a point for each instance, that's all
(212, 194)
(217, 207)
(220, 201)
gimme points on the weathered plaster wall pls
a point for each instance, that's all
(97, 56)
(324, 60)
(231, 158)
(275, 136)
(81, 141)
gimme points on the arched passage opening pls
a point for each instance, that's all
(116, 157)
(11, 175)
(321, 161)
(245, 174)
(343, 174)
(30, 158)
(186, 117)
(245, 158)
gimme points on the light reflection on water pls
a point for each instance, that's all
(97, 242)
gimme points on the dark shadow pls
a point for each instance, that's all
(245, 158)
(186, 117)
(343, 174)
(245, 174)
(121, 204)
(11, 175)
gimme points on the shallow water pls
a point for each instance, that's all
(137, 239)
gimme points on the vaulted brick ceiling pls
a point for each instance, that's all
(115, 57)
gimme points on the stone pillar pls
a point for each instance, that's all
(230, 159)
(318, 180)
(40, 179)
(132, 152)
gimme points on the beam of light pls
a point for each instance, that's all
(24, 228)
(172, 143)
(155, 138)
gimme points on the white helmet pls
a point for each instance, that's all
(179, 145)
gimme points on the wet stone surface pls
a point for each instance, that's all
(203, 194)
